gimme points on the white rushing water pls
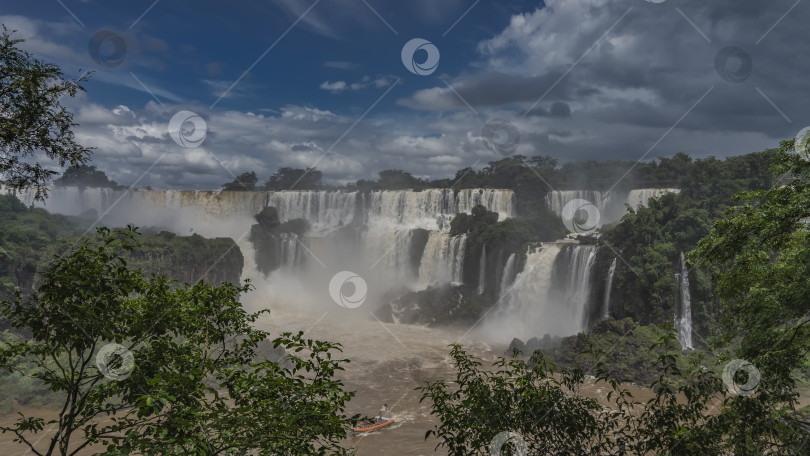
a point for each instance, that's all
(611, 205)
(608, 288)
(370, 232)
(482, 271)
(508, 274)
(683, 315)
(443, 260)
(325, 210)
(550, 296)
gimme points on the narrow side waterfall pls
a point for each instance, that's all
(508, 274)
(482, 271)
(443, 259)
(550, 296)
(608, 288)
(683, 315)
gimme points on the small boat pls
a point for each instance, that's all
(377, 423)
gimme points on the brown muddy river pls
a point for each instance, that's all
(401, 358)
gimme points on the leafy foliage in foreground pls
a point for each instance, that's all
(690, 413)
(197, 386)
(762, 251)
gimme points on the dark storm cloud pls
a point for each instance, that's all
(557, 109)
(648, 71)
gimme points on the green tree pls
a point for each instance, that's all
(33, 121)
(85, 176)
(198, 382)
(245, 182)
(294, 179)
(520, 407)
(395, 179)
(762, 249)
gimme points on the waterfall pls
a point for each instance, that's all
(361, 230)
(557, 199)
(443, 259)
(325, 210)
(611, 205)
(433, 209)
(292, 254)
(575, 266)
(482, 271)
(608, 288)
(550, 296)
(508, 272)
(683, 314)
(639, 197)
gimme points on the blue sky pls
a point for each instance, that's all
(623, 79)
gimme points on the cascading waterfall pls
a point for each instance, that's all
(550, 296)
(443, 259)
(292, 253)
(482, 271)
(325, 210)
(683, 314)
(611, 205)
(639, 197)
(557, 199)
(608, 288)
(508, 273)
(366, 228)
(575, 266)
